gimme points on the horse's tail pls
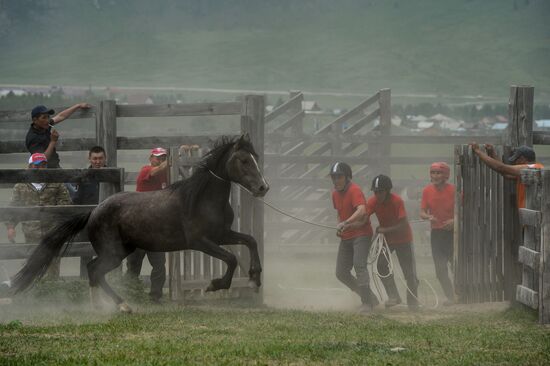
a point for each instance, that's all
(49, 248)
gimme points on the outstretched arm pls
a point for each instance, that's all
(63, 115)
(508, 171)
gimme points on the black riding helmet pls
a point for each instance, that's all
(340, 168)
(381, 183)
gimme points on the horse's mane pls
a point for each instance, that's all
(192, 188)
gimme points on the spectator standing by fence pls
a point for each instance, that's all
(37, 194)
(355, 233)
(42, 137)
(437, 205)
(152, 177)
(389, 208)
(87, 193)
(523, 157)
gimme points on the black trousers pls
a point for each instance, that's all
(158, 273)
(405, 255)
(353, 253)
(442, 253)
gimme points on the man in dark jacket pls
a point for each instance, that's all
(88, 194)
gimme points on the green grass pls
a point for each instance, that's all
(205, 335)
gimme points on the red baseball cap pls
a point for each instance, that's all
(158, 151)
(37, 158)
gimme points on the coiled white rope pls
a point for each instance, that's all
(379, 247)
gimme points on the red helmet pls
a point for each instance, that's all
(442, 167)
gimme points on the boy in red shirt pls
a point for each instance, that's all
(438, 199)
(152, 177)
(355, 233)
(392, 217)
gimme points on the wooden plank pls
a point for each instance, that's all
(30, 213)
(301, 159)
(362, 122)
(293, 103)
(137, 143)
(372, 137)
(110, 175)
(520, 111)
(23, 251)
(176, 110)
(529, 257)
(530, 217)
(348, 115)
(295, 119)
(544, 265)
(527, 296)
(24, 115)
(67, 144)
(541, 138)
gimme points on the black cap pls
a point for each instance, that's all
(525, 151)
(381, 183)
(41, 109)
(341, 169)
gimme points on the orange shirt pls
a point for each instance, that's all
(346, 203)
(389, 213)
(520, 187)
(439, 202)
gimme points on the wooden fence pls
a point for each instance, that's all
(196, 273)
(298, 160)
(534, 251)
(502, 253)
(113, 177)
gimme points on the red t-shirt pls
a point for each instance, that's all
(520, 187)
(389, 213)
(439, 202)
(145, 182)
(346, 203)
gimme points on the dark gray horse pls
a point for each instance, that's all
(190, 214)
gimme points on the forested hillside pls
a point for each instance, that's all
(455, 47)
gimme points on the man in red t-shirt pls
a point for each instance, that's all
(152, 177)
(389, 208)
(438, 201)
(355, 233)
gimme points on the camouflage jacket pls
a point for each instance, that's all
(25, 194)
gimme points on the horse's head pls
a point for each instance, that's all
(242, 167)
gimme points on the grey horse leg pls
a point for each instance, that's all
(254, 273)
(97, 269)
(207, 246)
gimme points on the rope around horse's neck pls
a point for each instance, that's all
(286, 213)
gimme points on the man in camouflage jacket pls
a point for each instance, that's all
(37, 194)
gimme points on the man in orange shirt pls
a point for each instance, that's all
(438, 199)
(523, 157)
(355, 233)
(389, 208)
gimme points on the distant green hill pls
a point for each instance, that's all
(460, 47)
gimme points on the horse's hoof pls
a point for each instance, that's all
(252, 284)
(124, 308)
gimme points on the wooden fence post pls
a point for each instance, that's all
(106, 133)
(252, 210)
(519, 132)
(175, 292)
(520, 112)
(544, 266)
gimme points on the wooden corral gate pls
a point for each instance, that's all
(197, 269)
(298, 158)
(502, 253)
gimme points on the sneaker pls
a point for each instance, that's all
(392, 302)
